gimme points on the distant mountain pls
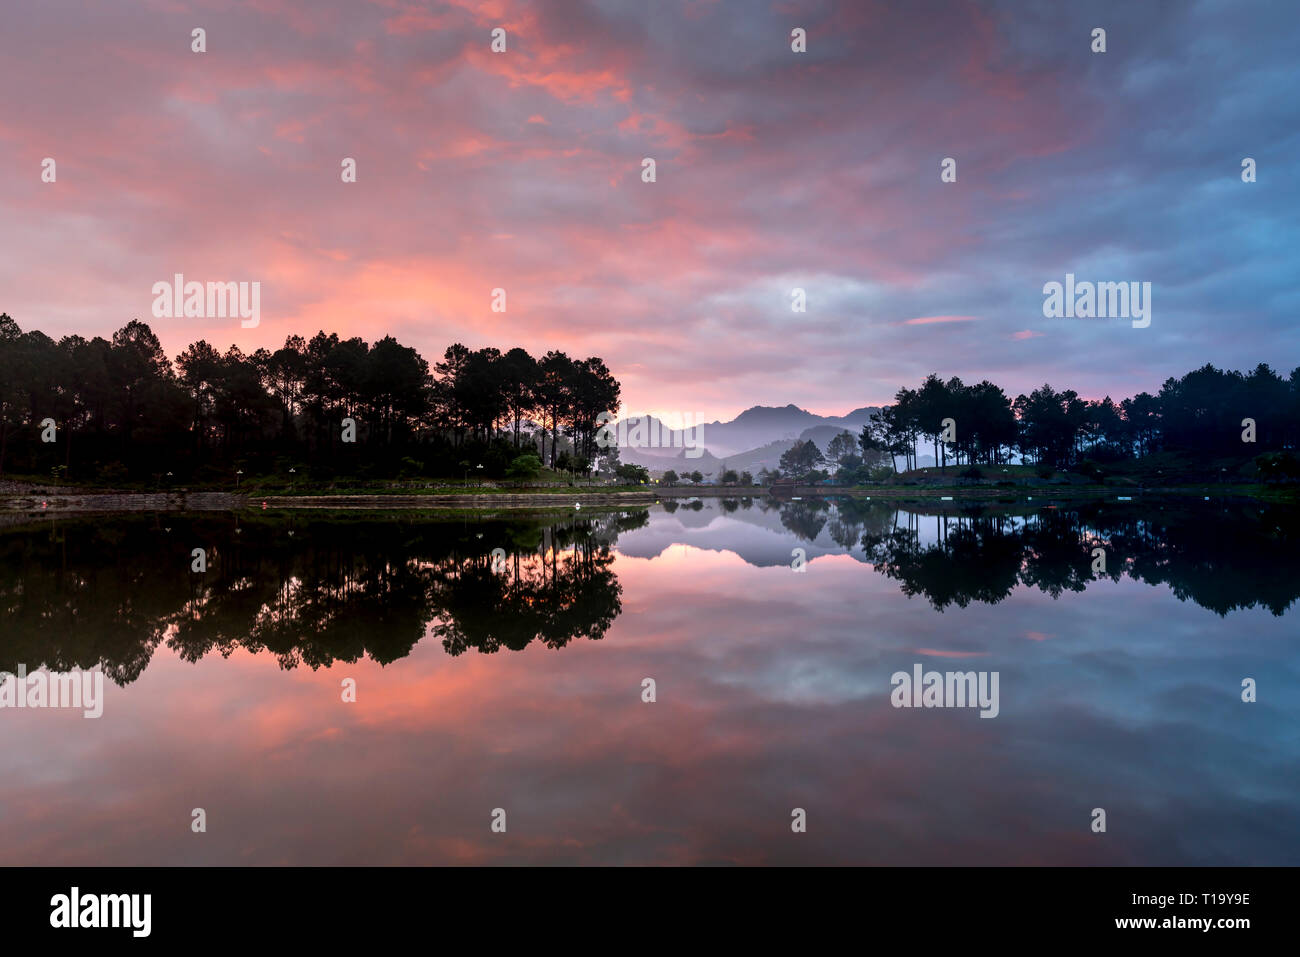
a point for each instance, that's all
(762, 425)
(752, 461)
(752, 440)
(822, 434)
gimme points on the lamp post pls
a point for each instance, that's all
(238, 472)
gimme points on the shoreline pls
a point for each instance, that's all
(84, 501)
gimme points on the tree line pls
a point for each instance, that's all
(1207, 412)
(119, 409)
(328, 407)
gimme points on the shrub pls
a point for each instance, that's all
(524, 467)
(1278, 467)
(1092, 470)
(632, 474)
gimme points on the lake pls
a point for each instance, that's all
(499, 668)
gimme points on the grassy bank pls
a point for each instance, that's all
(1165, 476)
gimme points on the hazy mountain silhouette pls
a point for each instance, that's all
(751, 441)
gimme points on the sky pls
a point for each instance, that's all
(774, 170)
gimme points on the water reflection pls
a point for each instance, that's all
(316, 591)
(1222, 558)
(1119, 690)
(109, 592)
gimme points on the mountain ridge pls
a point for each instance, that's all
(753, 440)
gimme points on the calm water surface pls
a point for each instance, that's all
(520, 687)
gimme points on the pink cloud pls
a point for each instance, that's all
(226, 166)
(927, 320)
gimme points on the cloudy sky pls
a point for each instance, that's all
(522, 170)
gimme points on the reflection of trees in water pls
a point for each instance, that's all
(564, 590)
(88, 592)
(972, 563)
(1221, 559)
(856, 517)
(804, 519)
(82, 594)
(69, 600)
(726, 505)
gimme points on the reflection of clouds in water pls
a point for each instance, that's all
(772, 693)
(1224, 559)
